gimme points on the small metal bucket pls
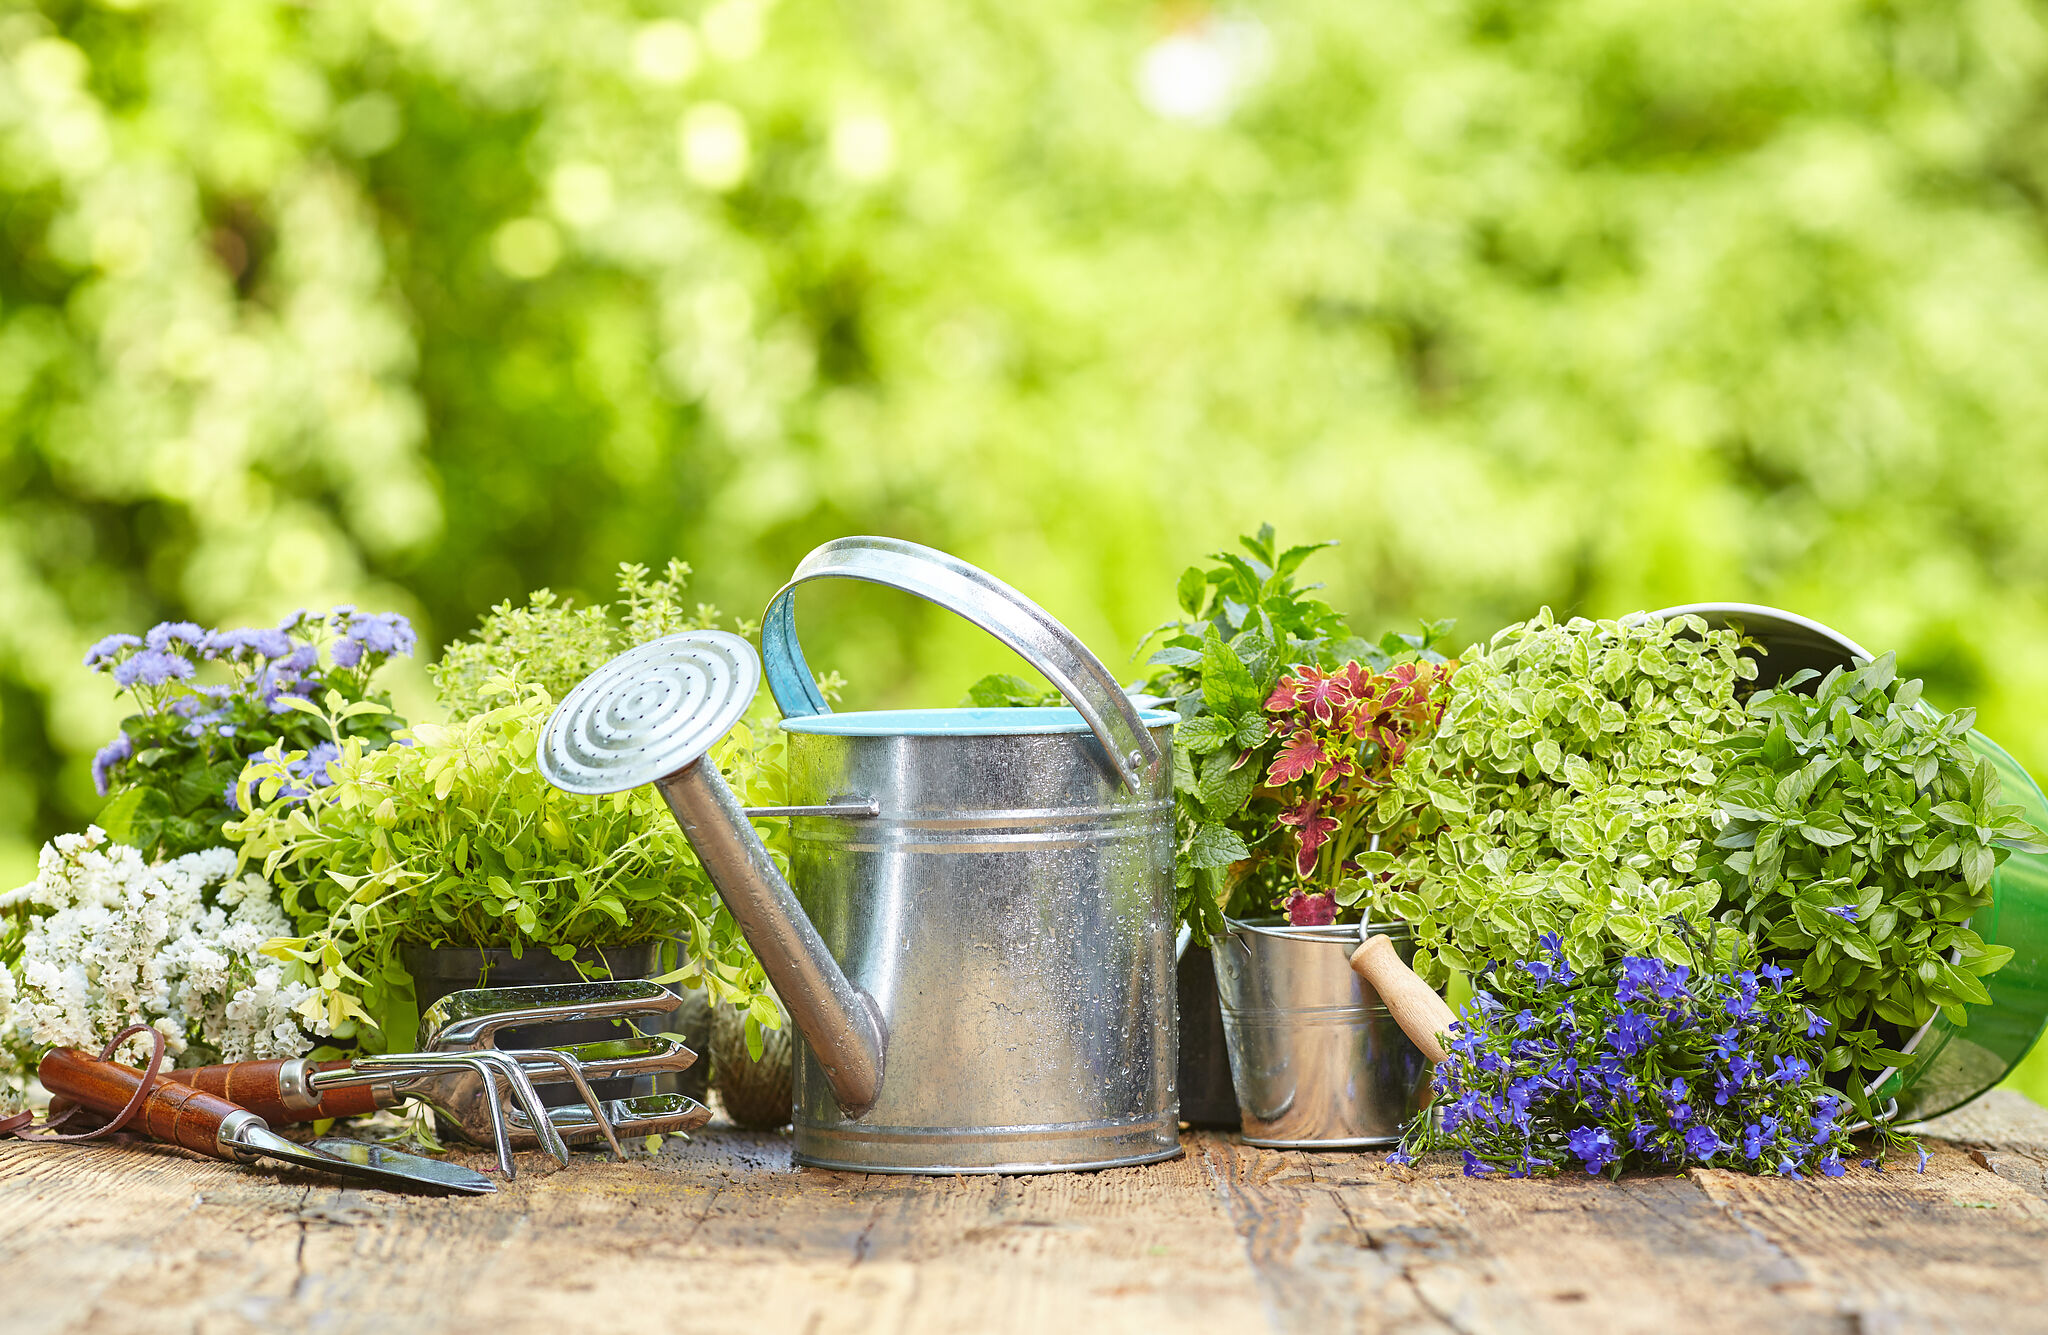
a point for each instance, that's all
(1951, 1064)
(1318, 1062)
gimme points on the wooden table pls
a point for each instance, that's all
(725, 1236)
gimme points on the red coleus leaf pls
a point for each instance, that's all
(1320, 694)
(1311, 910)
(1340, 767)
(1302, 756)
(1313, 829)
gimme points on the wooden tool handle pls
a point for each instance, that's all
(175, 1114)
(1416, 1007)
(276, 1094)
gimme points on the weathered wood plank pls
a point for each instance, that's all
(726, 1234)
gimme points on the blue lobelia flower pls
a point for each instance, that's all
(1474, 1166)
(1638, 977)
(1525, 1021)
(1594, 1147)
(1776, 974)
(1672, 986)
(1790, 1070)
(1399, 1157)
(1788, 1168)
(1632, 1032)
(1741, 1067)
(1725, 1089)
(1816, 1025)
(1832, 1166)
(1752, 1140)
(1847, 913)
(1921, 1150)
(1702, 1143)
(1728, 1043)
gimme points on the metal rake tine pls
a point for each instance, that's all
(575, 1072)
(528, 1100)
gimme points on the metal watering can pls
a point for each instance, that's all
(978, 953)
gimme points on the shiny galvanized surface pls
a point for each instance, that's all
(1010, 914)
(1318, 1062)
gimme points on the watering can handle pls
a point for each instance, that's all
(986, 601)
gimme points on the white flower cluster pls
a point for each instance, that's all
(113, 940)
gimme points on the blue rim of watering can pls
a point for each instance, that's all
(981, 598)
(963, 722)
(1952, 1064)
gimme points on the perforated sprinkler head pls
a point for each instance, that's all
(649, 712)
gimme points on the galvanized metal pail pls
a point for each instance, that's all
(1952, 1064)
(1318, 1061)
(1009, 910)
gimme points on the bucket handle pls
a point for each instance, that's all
(982, 599)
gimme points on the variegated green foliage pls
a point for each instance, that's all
(1571, 788)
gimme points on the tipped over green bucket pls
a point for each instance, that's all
(1951, 1063)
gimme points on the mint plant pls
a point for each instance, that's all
(207, 701)
(1861, 833)
(1570, 791)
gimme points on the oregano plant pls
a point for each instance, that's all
(1860, 835)
(1570, 790)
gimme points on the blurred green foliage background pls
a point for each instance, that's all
(1597, 303)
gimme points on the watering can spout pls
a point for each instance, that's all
(839, 1021)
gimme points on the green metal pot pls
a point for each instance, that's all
(1952, 1063)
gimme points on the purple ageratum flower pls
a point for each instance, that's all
(1593, 1146)
(302, 659)
(167, 633)
(1776, 975)
(382, 633)
(346, 653)
(1702, 1144)
(113, 753)
(1847, 913)
(107, 650)
(152, 667)
(312, 767)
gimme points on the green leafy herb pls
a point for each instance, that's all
(1861, 832)
(1570, 789)
(1245, 622)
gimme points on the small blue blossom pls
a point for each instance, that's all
(1632, 1032)
(1525, 1021)
(1788, 1168)
(1702, 1144)
(1832, 1166)
(1847, 913)
(152, 667)
(1816, 1025)
(1921, 1150)
(116, 752)
(1790, 1070)
(1752, 1140)
(1672, 986)
(1777, 975)
(165, 634)
(1475, 1166)
(1594, 1147)
(107, 650)
(1399, 1157)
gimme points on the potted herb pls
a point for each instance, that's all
(1290, 728)
(1571, 791)
(1861, 836)
(450, 862)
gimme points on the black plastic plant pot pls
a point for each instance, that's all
(1208, 1100)
(438, 970)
